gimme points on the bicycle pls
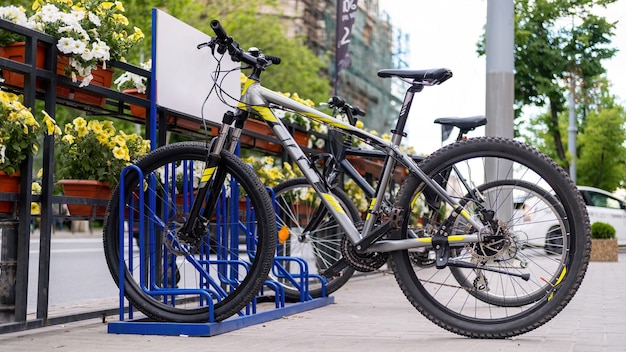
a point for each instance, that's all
(313, 235)
(474, 239)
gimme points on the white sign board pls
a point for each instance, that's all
(184, 73)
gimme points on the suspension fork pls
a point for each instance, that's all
(213, 176)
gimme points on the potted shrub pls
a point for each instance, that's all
(88, 34)
(94, 153)
(20, 132)
(603, 242)
(134, 84)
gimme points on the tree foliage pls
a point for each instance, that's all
(555, 41)
(602, 160)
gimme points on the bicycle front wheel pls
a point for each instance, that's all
(170, 275)
(530, 206)
(311, 234)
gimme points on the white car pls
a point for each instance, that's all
(537, 225)
(603, 206)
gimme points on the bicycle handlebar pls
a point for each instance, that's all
(225, 43)
(350, 111)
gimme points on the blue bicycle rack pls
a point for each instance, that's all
(227, 259)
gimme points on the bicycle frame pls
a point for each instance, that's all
(259, 100)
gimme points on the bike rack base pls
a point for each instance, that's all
(149, 327)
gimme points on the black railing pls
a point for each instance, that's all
(40, 83)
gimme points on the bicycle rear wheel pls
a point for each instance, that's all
(313, 235)
(172, 277)
(491, 178)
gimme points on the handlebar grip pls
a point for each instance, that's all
(357, 111)
(274, 59)
(337, 102)
(219, 30)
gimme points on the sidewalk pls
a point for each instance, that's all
(369, 314)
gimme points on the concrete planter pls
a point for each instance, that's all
(603, 250)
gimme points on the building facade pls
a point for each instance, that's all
(375, 44)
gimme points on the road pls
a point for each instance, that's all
(78, 272)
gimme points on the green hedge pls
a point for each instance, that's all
(602, 230)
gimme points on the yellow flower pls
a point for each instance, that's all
(82, 131)
(51, 126)
(37, 4)
(119, 18)
(108, 127)
(95, 126)
(121, 153)
(35, 209)
(119, 140)
(79, 122)
(36, 188)
(68, 138)
(103, 138)
(119, 6)
(105, 5)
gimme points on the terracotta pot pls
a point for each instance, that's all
(302, 138)
(101, 77)
(86, 189)
(136, 110)
(15, 52)
(8, 184)
(262, 128)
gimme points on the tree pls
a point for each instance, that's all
(602, 161)
(556, 41)
(251, 23)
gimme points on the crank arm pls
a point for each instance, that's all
(335, 269)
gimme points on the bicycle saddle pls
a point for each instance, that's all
(427, 77)
(463, 123)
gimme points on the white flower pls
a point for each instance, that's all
(87, 55)
(14, 14)
(94, 19)
(74, 17)
(86, 79)
(2, 153)
(100, 50)
(50, 13)
(78, 47)
(65, 45)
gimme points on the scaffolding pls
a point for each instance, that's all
(375, 45)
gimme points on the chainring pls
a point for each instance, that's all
(363, 262)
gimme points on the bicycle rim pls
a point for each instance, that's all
(319, 247)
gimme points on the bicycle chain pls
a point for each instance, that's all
(363, 262)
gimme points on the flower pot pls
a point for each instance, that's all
(136, 110)
(86, 189)
(8, 184)
(262, 128)
(302, 138)
(15, 52)
(101, 77)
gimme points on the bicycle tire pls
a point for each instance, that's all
(297, 203)
(438, 295)
(216, 271)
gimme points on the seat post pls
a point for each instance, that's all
(398, 132)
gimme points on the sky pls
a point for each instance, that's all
(444, 33)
